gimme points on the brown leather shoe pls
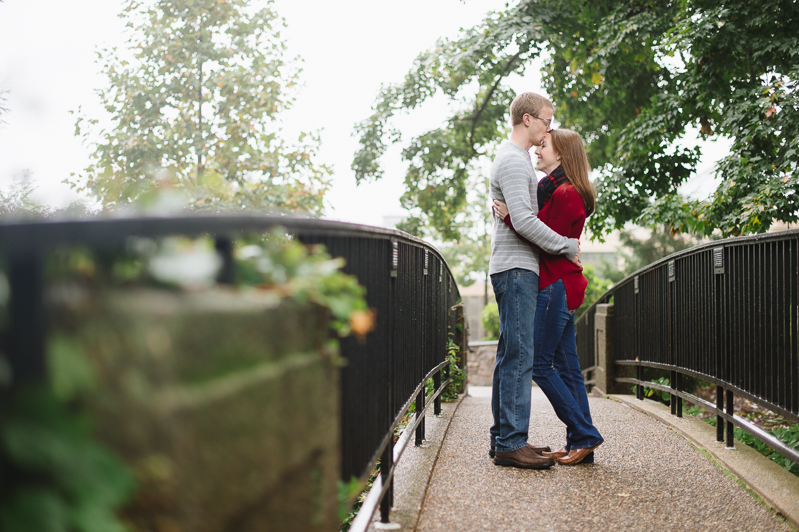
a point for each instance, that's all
(523, 458)
(539, 449)
(576, 456)
(562, 453)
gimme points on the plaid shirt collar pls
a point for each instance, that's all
(548, 185)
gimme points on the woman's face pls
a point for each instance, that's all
(547, 158)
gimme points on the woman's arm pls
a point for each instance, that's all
(561, 217)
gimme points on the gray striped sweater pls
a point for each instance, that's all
(513, 182)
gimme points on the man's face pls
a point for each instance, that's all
(538, 126)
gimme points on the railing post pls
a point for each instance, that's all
(730, 426)
(639, 390)
(27, 328)
(436, 386)
(673, 396)
(678, 380)
(224, 247)
(719, 419)
(419, 408)
(386, 463)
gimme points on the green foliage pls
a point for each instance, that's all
(790, 437)
(57, 478)
(16, 201)
(352, 491)
(787, 435)
(450, 392)
(639, 252)
(469, 252)
(634, 79)
(275, 264)
(687, 384)
(654, 393)
(596, 287)
(286, 268)
(194, 103)
(490, 320)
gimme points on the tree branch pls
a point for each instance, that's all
(479, 112)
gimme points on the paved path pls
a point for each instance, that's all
(646, 477)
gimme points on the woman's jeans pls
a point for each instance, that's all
(556, 367)
(516, 292)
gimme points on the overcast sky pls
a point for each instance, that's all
(348, 47)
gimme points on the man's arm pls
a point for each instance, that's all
(506, 218)
(514, 182)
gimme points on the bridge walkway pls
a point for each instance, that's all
(647, 477)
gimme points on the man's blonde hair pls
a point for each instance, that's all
(529, 103)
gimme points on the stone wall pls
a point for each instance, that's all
(480, 364)
(224, 404)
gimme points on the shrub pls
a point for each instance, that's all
(490, 319)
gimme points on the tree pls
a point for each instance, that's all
(16, 201)
(3, 105)
(596, 287)
(196, 107)
(632, 78)
(639, 252)
(469, 253)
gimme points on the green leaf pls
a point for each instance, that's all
(34, 509)
(70, 369)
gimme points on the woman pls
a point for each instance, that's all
(565, 198)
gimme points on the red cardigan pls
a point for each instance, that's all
(564, 213)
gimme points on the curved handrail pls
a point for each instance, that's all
(737, 241)
(722, 311)
(390, 366)
(25, 236)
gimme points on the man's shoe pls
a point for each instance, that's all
(539, 449)
(576, 456)
(523, 458)
(562, 453)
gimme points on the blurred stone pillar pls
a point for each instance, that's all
(606, 369)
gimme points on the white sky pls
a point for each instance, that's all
(349, 48)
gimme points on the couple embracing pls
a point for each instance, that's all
(538, 283)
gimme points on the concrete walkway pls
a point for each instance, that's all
(647, 476)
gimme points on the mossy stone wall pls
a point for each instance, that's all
(224, 404)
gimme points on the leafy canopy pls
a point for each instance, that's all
(633, 78)
(196, 108)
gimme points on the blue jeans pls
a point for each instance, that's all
(516, 292)
(557, 367)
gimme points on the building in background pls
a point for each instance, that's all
(473, 303)
(597, 254)
(781, 226)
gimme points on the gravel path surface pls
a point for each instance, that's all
(646, 477)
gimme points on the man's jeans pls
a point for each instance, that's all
(516, 292)
(557, 367)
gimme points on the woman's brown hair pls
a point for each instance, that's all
(569, 147)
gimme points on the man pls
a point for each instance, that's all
(514, 277)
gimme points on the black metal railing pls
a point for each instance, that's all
(726, 312)
(407, 282)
